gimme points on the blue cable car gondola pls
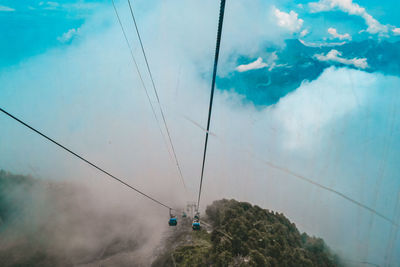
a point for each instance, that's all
(196, 225)
(172, 221)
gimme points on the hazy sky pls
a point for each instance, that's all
(66, 69)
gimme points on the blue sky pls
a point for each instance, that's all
(323, 105)
(29, 28)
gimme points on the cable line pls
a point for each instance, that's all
(140, 76)
(342, 195)
(220, 22)
(85, 160)
(155, 92)
(304, 178)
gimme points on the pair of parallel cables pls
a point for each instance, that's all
(219, 33)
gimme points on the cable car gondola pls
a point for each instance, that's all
(196, 225)
(196, 221)
(172, 219)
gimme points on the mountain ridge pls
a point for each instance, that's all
(245, 235)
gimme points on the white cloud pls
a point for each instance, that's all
(49, 5)
(319, 104)
(272, 62)
(335, 34)
(67, 36)
(335, 56)
(304, 33)
(312, 44)
(255, 65)
(54, 4)
(259, 64)
(396, 31)
(81, 5)
(289, 20)
(351, 8)
(6, 9)
(345, 5)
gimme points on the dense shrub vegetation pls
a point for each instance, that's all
(246, 235)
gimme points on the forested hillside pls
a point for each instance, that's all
(247, 235)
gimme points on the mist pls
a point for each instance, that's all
(73, 223)
(340, 130)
